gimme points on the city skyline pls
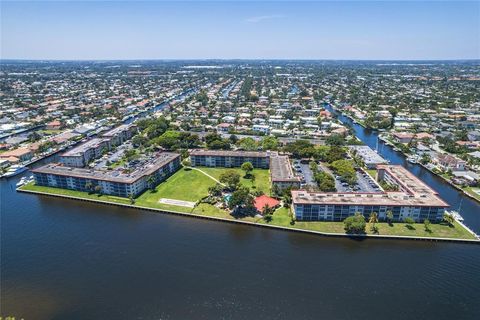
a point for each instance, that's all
(231, 30)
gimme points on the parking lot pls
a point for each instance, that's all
(304, 172)
(365, 183)
(112, 156)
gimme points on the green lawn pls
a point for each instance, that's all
(188, 185)
(372, 172)
(262, 177)
(282, 217)
(470, 191)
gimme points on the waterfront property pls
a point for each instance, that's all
(111, 182)
(281, 173)
(81, 155)
(229, 159)
(368, 155)
(413, 200)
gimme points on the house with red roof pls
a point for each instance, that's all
(264, 200)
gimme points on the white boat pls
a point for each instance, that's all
(455, 215)
(14, 170)
(412, 160)
(21, 182)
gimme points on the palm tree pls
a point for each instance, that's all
(373, 219)
(132, 198)
(89, 186)
(151, 182)
(389, 217)
(448, 218)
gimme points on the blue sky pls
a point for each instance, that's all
(248, 29)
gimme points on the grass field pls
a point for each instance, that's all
(372, 172)
(282, 217)
(262, 177)
(470, 191)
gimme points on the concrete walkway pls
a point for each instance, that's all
(213, 178)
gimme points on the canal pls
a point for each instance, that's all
(469, 208)
(63, 259)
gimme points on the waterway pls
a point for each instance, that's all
(63, 259)
(469, 208)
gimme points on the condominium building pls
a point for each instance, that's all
(414, 200)
(81, 155)
(120, 134)
(229, 159)
(281, 172)
(112, 182)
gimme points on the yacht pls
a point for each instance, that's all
(14, 170)
(455, 214)
(412, 159)
(21, 182)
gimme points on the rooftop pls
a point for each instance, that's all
(229, 153)
(119, 175)
(81, 149)
(417, 193)
(280, 169)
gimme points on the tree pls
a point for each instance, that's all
(449, 219)
(241, 198)
(426, 224)
(373, 219)
(151, 182)
(216, 190)
(324, 181)
(270, 143)
(132, 198)
(231, 179)
(355, 224)
(248, 144)
(98, 189)
(186, 163)
(346, 171)
(89, 186)
(267, 213)
(247, 167)
(390, 217)
(409, 221)
(335, 140)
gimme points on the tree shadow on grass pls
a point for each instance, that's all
(409, 227)
(153, 190)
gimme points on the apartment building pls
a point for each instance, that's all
(414, 200)
(117, 183)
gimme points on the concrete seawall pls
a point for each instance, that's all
(325, 234)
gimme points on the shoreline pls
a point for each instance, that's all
(313, 232)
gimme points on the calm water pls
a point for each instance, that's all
(469, 208)
(63, 259)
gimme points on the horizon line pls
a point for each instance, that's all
(241, 59)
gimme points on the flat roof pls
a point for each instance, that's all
(416, 194)
(229, 153)
(81, 149)
(368, 154)
(117, 130)
(160, 159)
(281, 169)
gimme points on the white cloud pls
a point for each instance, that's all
(257, 19)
